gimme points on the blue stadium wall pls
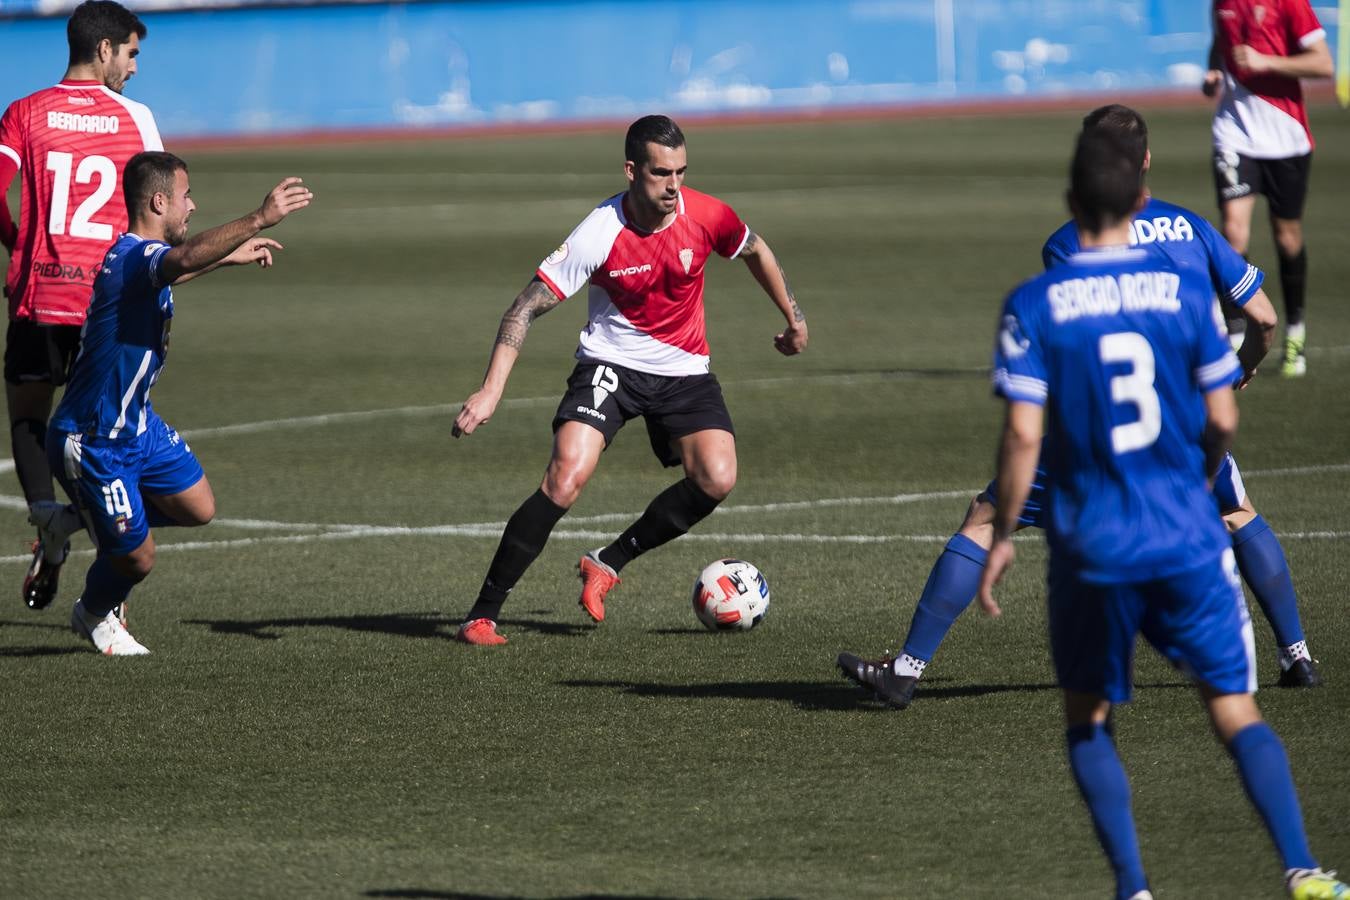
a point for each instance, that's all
(257, 69)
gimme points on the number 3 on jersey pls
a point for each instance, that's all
(1134, 388)
(60, 163)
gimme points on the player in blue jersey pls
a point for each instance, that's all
(1192, 242)
(123, 467)
(1123, 353)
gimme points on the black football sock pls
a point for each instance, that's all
(28, 441)
(674, 511)
(1294, 283)
(523, 540)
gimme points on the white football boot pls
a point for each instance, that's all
(108, 635)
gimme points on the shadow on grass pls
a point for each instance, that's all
(422, 894)
(33, 652)
(413, 625)
(807, 695)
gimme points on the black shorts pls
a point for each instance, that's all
(605, 396)
(42, 353)
(1284, 182)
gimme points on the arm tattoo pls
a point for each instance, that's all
(751, 245)
(532, 303)
(797, 314)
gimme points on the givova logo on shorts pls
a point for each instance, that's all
(118, 503)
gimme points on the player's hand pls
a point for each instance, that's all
(1213, 81)
(1244, 57)
(284, 199)
(1000, 560)
(1247, 376)
(476, 411)
(254, 250)
(792, 340)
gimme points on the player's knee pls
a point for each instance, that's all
(138, 563)
(563, 482)
(202, 513)
(716, 479)
(1289, 238)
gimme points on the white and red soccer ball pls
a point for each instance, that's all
(731, 595)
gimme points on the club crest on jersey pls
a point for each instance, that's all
(1013, 342)
(1260, 12)
(686, 259)
(558, 255)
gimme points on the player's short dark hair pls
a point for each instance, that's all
(94, 20)
(650, 130)
(147, 174)
(1104, 182)
(1125, 124)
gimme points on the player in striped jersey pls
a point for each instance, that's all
(124, 468)
(643, 353)
(1262, 141)
(69, 142)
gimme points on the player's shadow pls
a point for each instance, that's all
(815, 696)
(420, 894)
(806, 695)
(433, 625)
(36, 651)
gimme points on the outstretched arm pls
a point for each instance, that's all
(1017, 455)
(764, 266)
(531, 303)
(216, 246)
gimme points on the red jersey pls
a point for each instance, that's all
(1263, 116)
(646, 287)
(71, 143)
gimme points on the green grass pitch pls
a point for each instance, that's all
(307, 727)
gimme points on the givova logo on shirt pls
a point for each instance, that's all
(630, 270)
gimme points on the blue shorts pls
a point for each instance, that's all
(107, 478)
(1198, 620)
(1229, 493)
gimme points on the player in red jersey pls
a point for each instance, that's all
(643, 352)
(69, 143)
(1262, 143)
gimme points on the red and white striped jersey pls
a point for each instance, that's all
(1263, 116)
(646, 288)
(70, 143)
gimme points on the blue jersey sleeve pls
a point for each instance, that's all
(141, 268)
(1019, 363)
(1233, 277)
(1060, 245)
(1214, 364)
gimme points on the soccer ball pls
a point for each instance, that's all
(731, 595)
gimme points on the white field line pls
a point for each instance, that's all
(451, 409)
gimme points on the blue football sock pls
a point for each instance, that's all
(105, 588)
(951, 586)
(1264, 769)
(1106, 791)
(1261, 561)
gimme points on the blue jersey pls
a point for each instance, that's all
(123, 344)
(1186, 238)
(1119, 346)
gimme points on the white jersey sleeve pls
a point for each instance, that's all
(569, 267)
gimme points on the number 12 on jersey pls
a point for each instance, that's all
(60, 163)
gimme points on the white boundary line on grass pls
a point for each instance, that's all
(319, 531)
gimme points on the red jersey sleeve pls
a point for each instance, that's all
(1304, 27)
(11, 159)
(728, 231)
